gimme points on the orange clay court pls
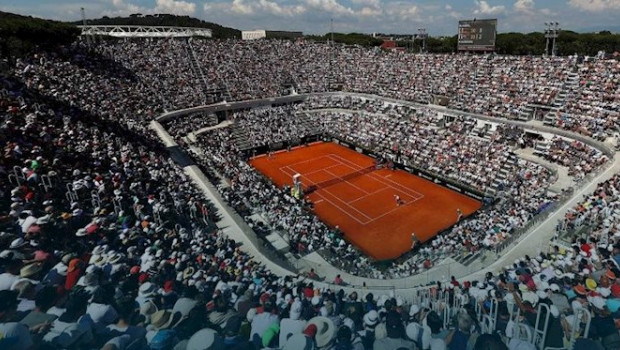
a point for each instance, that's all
(364, 206)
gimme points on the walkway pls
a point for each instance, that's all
(564, 181)
(192, 135)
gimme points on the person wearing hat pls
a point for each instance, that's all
(371, 320)
(15, 336)
(187, 301)
(602, 326)
(560, 300)
(293, 324)
(324, 331)
(100, 310)
(396, 335)
(302, 341)
(146, 292)
(160, 333)
(221, 312)
(417, 330)
(30, 273)
(204, 339)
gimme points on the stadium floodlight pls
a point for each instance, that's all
(552, 32)
(422, 35)
(83, 11)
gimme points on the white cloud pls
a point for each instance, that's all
(524, 5)
(122, 8)
(546, 12)
(175, 7)
(448, 7)
(595, 5)
(370, 8)
(483, 8)
(276, 9)
(332, 6)
(240, 7)
(404, 10)
(368, 3)
(371, 11)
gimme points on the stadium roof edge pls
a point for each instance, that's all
(137, 31)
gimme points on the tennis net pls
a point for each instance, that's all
(330, 182)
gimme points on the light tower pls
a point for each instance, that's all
(422, 35)
(552, 31)
(84, 24)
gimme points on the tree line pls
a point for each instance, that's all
(20, 35)
(568, 43)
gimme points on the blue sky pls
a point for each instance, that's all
(367, 16)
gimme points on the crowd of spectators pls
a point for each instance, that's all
(579, 158)
(264, 126)
(106, 243)
(501, 86)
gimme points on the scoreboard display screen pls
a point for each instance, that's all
(477, 35)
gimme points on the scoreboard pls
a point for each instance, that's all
(477, 35)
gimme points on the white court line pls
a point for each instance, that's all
(316, 171)
(310, 160)
(345, 203)
(342, 161)
(342, 210)
(395, 208)
(347, 181)
(348, 204)
(380, 179)
(286, 172)
(290, 167)
(368, 195)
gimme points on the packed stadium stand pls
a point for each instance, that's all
(126, 225)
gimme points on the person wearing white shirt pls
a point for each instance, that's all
(8, 278)
(292, 325)
(15, 336)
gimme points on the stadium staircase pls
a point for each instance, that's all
(212, 94)
(509, 166)
(566, 94)
(241, 138)
(196, 68)
(541, 148)
(212, 119)
(525, 113)
(289, 85)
